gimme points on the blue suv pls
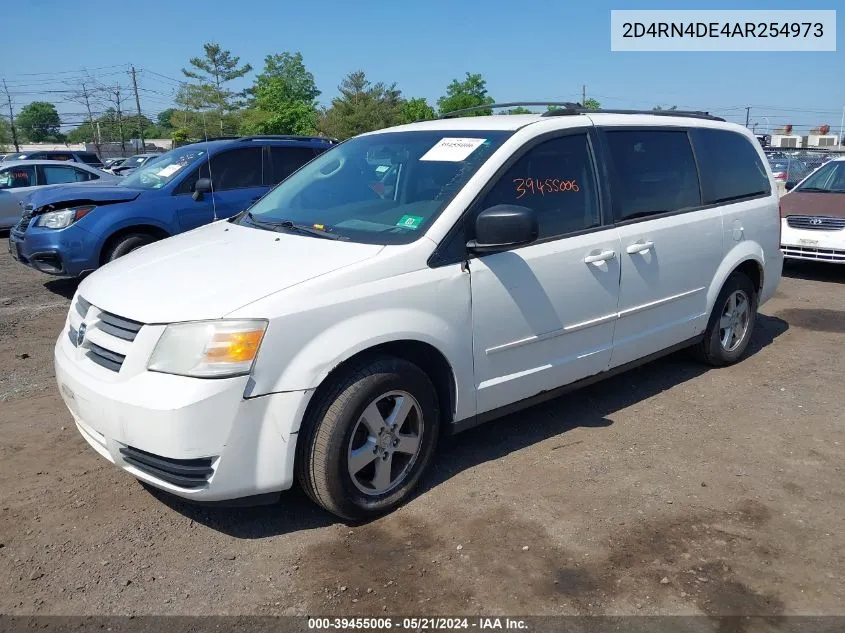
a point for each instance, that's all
(70, 230)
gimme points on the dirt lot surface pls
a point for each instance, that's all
(672, 489)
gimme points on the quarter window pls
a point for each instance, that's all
(730, 166)
(655, 172)
(556, 180)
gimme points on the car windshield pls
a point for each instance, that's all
(160, 171)
(829, 178)
(377, 189)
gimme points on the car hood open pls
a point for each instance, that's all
(60, 194)
(211, 271)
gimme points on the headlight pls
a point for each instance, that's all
(208, 349)
(64, 218)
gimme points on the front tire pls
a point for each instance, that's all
(731, 323)
(127, 244)
(365, 444)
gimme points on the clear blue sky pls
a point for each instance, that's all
(526, 50)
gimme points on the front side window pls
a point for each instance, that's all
(378, 188)
(654, 171)
(730, 166)
(556, 180)
(236, 169)
(17, 177)
(828, 179)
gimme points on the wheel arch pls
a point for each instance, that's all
(746, 257)
(150, 229)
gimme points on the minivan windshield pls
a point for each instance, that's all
(157, 173)
(377, 189)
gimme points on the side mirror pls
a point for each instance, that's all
(789, 186)
(503, 226)
(202, 187)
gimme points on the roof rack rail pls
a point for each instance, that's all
(286, 137)
(512, 104)
(692, 114)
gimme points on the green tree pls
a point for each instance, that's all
(519, 110)
(213, 71)
(469, 93)
(39, 121)
(362, 107)
(417, 109)
(288, 70)
(592, 104)
(163, 118)
(283, 98)
(657, 107)
(5, 134)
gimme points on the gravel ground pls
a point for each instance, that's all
(672, 489)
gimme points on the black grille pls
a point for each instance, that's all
(815, 223)
(185, 473)
(119, 327)
(26, 218)
(106, 358)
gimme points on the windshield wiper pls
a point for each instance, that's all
(289, 225)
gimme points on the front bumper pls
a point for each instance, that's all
(813, 245)
(198, 439)
(64, 252)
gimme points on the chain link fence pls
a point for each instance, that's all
(791, 166)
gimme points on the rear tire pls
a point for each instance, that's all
(127, 244)
(731, 323)
(365, 444)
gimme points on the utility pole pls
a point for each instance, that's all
(87, 100)
(747, 115)
(115, 91)
(138, 104)
(583, 96)
(12, 118)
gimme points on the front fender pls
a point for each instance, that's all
(328, 327)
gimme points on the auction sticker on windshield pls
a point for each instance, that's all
(169, 170)
(452, 150)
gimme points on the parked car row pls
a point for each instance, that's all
(88, 158)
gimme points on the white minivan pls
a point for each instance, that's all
(418, 279)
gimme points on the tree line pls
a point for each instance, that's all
(282, 99)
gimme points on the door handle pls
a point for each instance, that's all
(600, 257)
(639, 247)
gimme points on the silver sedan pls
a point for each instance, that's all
(19, 178)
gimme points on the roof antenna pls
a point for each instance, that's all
(208, 160)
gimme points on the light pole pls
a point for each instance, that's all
(841, 126)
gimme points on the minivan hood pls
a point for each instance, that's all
(82, 191)
(211, 271)
(813, 203)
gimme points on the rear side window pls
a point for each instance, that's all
(89, 157)
(56, 175)
(730, 167)
(236, 169)
(286, 160)
(654, 172)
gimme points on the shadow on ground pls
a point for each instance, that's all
(62, 287)
(590, 407)
(814, 271)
